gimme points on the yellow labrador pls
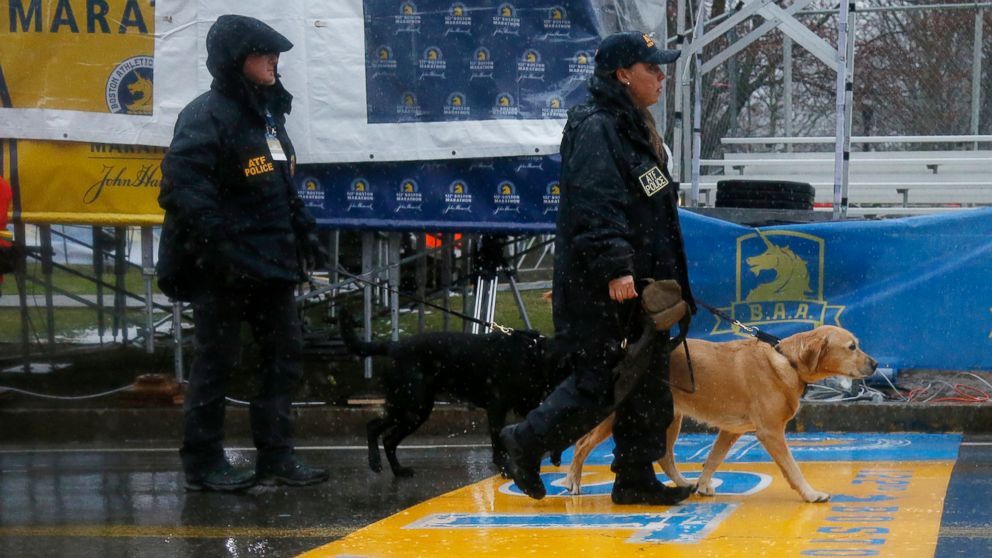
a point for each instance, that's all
(746, 386)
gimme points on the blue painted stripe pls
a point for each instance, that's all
(693, 448)
(677, 524)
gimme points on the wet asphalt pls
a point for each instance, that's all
(106, 502)
(129, 501)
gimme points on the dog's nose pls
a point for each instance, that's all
(873, 363)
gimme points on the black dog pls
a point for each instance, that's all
(497, 372)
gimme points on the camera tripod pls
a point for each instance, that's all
(490, 265)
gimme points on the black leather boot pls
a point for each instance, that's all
(637, 484)
(523, 464)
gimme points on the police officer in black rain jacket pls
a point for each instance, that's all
(235, 242)
(617, 225)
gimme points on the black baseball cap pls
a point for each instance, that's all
(622, 50)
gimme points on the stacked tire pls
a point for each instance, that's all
(765, 194)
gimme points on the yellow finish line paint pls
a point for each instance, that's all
(887, 496)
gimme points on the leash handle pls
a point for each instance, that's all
(750, 330)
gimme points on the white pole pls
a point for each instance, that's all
(843, 137)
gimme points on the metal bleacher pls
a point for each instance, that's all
(883, 180)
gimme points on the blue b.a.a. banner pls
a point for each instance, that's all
(915, 291)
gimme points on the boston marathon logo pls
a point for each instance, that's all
(580, 66)
(505, 107)
(481, 64)
(506, 22)
(311, 192)
(458, 20)
(557, 24)
(457, 198)
(780, 279)
(408, 197)
(129, 86)
(555, 108)
(408, 20)
(457, 105)
(432, 63)
(506, 198)
(359, 195)
(382, 62)
(551, 197)
(408, 109)
(530, 66)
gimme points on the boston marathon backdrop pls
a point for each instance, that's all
(446, 116)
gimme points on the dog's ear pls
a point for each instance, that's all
(813, 349)
(804, 350)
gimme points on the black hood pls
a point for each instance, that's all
(229, 42)
(606, 94)
(233, 37)
(610, 95)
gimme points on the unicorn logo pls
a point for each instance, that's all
(780, 282)
(129, 87)
(791, 279)
(141, 92)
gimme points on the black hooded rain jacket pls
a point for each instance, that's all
(617, 216)
(232, 213)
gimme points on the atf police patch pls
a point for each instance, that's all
(129, 87)
(653, 181)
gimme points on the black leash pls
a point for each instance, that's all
(385, 284)
(760, 335)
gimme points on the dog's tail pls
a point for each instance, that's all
(358, 347)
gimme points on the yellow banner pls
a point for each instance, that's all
(84, 55)
(88, 183)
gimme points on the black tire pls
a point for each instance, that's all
(765, 194)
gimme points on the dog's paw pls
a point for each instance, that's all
(815, 497)
(574, 488)
(705, 489)
(556, 458)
